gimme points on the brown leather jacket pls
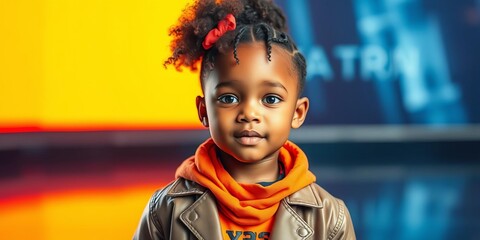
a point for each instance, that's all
(184, 210)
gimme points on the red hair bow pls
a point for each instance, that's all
(225, 25)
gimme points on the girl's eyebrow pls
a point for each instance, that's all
(235, 83)
(274, 84)
(232, 83)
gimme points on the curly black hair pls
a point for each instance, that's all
(257, 20)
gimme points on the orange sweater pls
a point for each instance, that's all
(246, 209)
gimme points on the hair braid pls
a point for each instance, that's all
(268, 39)
(265, 21)
(236, 41)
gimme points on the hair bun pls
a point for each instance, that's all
(201, 16)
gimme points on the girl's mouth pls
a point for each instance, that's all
(249, 141)
(248, 137)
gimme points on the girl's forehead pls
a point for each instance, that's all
(254, 67)
(254, 60)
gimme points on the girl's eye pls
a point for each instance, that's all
(271, 99)
(228, 99)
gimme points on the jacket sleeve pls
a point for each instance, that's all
(344, 223)
(148, 227)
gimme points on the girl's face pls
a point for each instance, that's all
(251, 107)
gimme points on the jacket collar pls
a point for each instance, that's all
(306, 196)
(201, 218)
(288, 223)
(183, 187)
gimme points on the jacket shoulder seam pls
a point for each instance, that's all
(153, 213)
(340, 220)
(318, 198)
(154, 202)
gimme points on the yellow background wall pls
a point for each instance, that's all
(91, 65)
(87, 65)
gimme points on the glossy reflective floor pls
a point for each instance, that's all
(396, 190)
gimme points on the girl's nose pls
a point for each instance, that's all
(249, 112)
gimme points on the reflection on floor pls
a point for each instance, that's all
(393, 191)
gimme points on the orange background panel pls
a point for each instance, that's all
(80, 214)
(91, 65)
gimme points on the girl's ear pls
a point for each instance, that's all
(300, 112)
(202, 111)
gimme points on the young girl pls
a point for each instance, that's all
(247, 181)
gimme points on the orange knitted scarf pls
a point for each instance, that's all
(246, 204)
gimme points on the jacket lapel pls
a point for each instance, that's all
(288, 223)
(202, 218)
